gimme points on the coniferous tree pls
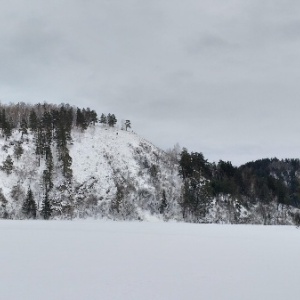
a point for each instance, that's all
(8, 164)
(18, 150)
(29, 205)
(93, 118)
(103, 119)
(33, 120)
(48, 172)
(111, 120)
(81, 120)
(185, 164)
(66, 160)
(24, 127)
(6, 125)
(47, 124)
(40, 141)
(163, 204)
(46, 211)
(3, 202)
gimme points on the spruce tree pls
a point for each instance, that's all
(163, 204)
(111, 120)
(66, 160)
(8, 164)
(93, 118)
(6, 125)
(103, 119)
(81, 120)
(47, 175)
(18, 150)
(47, 125)
(33, 120)
(46, 211)
(24, 127)
(3, 202)
(29, 205)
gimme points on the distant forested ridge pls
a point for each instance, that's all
(265, 184)
(65, 162)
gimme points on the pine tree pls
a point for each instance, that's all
(6, 125)
(111, 120)
(163, 204)
(47, 125)
(81, 120)
(46, 207)
(40, 140)
(8, 164)
(3, 202)
(18, 150)
(47, 175)
(29, 205)
(93, 118)
(66, 160)
(24, 127)
(103, 119)
(33, 120)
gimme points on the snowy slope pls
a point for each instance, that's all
(116, 174)
(132, 261)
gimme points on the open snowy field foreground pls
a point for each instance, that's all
(131, 260)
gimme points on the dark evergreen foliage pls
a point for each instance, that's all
(3, 202)
(6, 124)
(18, 150)
(8, 164)
(46, 211)
(103, 119)
(111, 120)
(24, 127)
(81, 120)
(33, 120)
(29, 206)
(47, 175)
(163, 204)
(262, 181)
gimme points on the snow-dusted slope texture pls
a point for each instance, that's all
(116, 174)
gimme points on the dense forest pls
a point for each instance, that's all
(50, 125)
(262, 182)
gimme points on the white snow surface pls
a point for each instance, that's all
(76, 260)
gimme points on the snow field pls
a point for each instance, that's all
(132, 260)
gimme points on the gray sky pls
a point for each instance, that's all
(218, 77)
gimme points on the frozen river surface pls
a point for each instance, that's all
(88, 260)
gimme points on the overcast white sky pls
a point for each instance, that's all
(218, 77)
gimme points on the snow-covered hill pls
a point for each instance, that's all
(116, 174)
